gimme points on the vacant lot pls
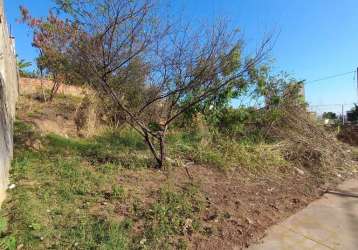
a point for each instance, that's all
(99, 193)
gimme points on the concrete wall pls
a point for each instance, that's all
(8, 96)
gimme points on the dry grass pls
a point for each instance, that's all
(309, 146)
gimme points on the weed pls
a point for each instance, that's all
(23, 132)
(99, 150)
(119, 193)
(54, 190)
(7, 242)
(225, 153)
(59, 185)
(173, 214)
(97, 233)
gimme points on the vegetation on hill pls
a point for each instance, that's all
(146, 70)
(153, 154)
(223, 186)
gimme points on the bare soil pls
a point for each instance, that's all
(238, 207)
(56, 117)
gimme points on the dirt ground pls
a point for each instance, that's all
(238, 207)
(56, 117)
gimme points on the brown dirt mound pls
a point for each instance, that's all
(33, 85)
(49, 117)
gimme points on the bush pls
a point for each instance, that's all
(225, 152)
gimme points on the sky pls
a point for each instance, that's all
(315, 38)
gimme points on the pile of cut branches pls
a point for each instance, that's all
(308, 145)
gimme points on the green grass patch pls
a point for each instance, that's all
(124, 149)
(173, 215)
(58, 184)
(61, 183)
(225, 153)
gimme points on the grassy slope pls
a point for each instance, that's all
(61, 185)
(98, 193)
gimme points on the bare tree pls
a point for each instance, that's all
(182, 67)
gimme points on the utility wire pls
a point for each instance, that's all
(330, 105)
(331, 77)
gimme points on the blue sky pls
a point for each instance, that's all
(318, 38)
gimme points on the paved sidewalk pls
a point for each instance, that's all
(328, 223)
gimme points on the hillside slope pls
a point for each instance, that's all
(99, 193)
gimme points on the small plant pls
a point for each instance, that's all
(7, 242)
(173, 214)
(119, 193)
(3, 224)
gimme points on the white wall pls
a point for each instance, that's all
(8, 96)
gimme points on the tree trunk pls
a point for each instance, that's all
(54, 90)
(55, 87)
(42, 87)
(162, 152)
(152, 149)
(161, 155)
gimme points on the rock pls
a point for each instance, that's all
(211, 216)
(299, 171)
(295, 201)
(209, 231)
(28, 143)
(273, 206)
(249, 221)
(189, 164)
(143, 241)
(238, 203)
(171, 161)
(107, 195)
(37, 145)
(227, 215)
(187, 226)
